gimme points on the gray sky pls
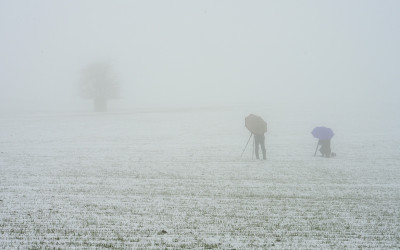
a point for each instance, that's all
(201, 52)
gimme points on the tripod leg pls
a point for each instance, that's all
(254, 146)
(246, 145)
(316, 149)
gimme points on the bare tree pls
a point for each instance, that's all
(98, 82)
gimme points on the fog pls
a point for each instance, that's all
(173, 163)
(201, 53)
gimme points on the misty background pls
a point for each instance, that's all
(339, 54)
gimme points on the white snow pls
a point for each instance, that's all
(174, 178)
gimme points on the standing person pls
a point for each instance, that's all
(258, 127)
(260, 140)
(325, 147)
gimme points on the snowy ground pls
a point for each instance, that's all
(174, 178)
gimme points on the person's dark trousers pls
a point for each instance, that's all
(325, 147)
(260, 140)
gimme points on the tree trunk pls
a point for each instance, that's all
(100, 104)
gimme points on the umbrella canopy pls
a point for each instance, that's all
(255, 124)
(322, 133)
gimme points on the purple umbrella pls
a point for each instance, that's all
(322, 133)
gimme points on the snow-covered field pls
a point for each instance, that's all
(174, 178)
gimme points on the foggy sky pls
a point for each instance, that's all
(201, 52)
